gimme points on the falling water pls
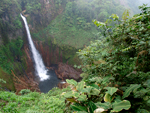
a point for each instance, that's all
(39, 65)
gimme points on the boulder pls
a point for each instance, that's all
(65, 71)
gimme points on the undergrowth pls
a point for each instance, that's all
(33, 102)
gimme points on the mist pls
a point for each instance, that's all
(140, 2)
(134, 5)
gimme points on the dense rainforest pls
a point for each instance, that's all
(96, 36)
(58, 28)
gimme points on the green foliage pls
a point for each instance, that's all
(2, 81)
(118, 64)
(11, 21)
(86, 97)
(116, 67)
(74, 25)
(18, 23)
(32, 6)
(33, 102)
(72, 82)
(81, 32)
(4, 5)
(10, 53)
(111, 90)
(24, 91)
(130, 89)
(81, 96)
(121, 105)
(116, 106)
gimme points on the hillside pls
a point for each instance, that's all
(111, 51)
(58, 27)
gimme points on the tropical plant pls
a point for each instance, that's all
(118, 65)
(88, 97)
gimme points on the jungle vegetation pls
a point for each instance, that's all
(116, 73)
(70, 30)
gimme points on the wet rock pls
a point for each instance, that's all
(65, 71)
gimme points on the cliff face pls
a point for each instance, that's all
(48, 54)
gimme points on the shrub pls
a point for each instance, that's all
(117, 67)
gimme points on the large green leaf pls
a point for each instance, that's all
(80, 86)
(125, 104)
(72, 82)
(69, 94)
(82, 98)
(118, 98)
(94, 85)
(92, 106)
(94, 91)
(76, 94)
(107, 98)
(78, 108)
(105, 105)
(111, 90)
(87, 89)
(107, 79)
(132, 87)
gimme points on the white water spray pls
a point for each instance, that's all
(39, 65)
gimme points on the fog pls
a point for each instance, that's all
(140, 2)
(134, 4)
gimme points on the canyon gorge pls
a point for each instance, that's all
(58, 28)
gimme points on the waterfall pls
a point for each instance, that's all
(41, 70)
